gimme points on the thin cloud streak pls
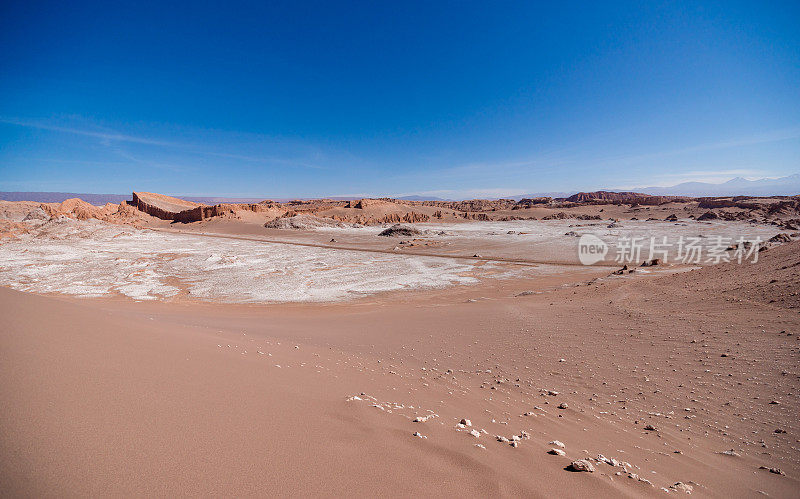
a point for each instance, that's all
(87, 133)
(765, 138)
(108, 138)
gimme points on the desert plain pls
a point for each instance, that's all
(384, 347)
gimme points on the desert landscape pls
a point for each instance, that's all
(399, 249)
(388, 347)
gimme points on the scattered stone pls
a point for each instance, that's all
(709, 215)
(581, 465)
(682, 487)
(466, 422)
(557, 452)
(608, 461)
(620, 271)
(501, 438)
(419, 435)
(777, 471)
(563, 405)
(780, 238)
(514, 444)
(475, 433)
(557, 443)
(400, 230)
(730, 452)
(650, 428)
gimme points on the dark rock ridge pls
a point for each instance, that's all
(606, 197)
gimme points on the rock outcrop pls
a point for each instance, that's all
(606, 197)
(167, 207)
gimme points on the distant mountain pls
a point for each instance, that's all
(57, 197)
(783, 186)
(422, 198)
(542, 195)
(100, 199)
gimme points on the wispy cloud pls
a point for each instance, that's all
(755, 139)
(105, 136)
(113, 139)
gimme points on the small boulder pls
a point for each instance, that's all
(682, 487)
(581, 465)
(709, 215)
(777, 471)
(400, 230)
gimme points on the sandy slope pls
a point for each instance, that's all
(114, 397)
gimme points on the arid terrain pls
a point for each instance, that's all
(382, 347)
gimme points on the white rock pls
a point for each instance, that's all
(581, 465)
(682, 487)
(557, 443)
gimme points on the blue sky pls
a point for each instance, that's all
(455, 99)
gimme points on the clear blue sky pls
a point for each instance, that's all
(457, 99)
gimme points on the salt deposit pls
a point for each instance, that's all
(91, 259)
(547, 240)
